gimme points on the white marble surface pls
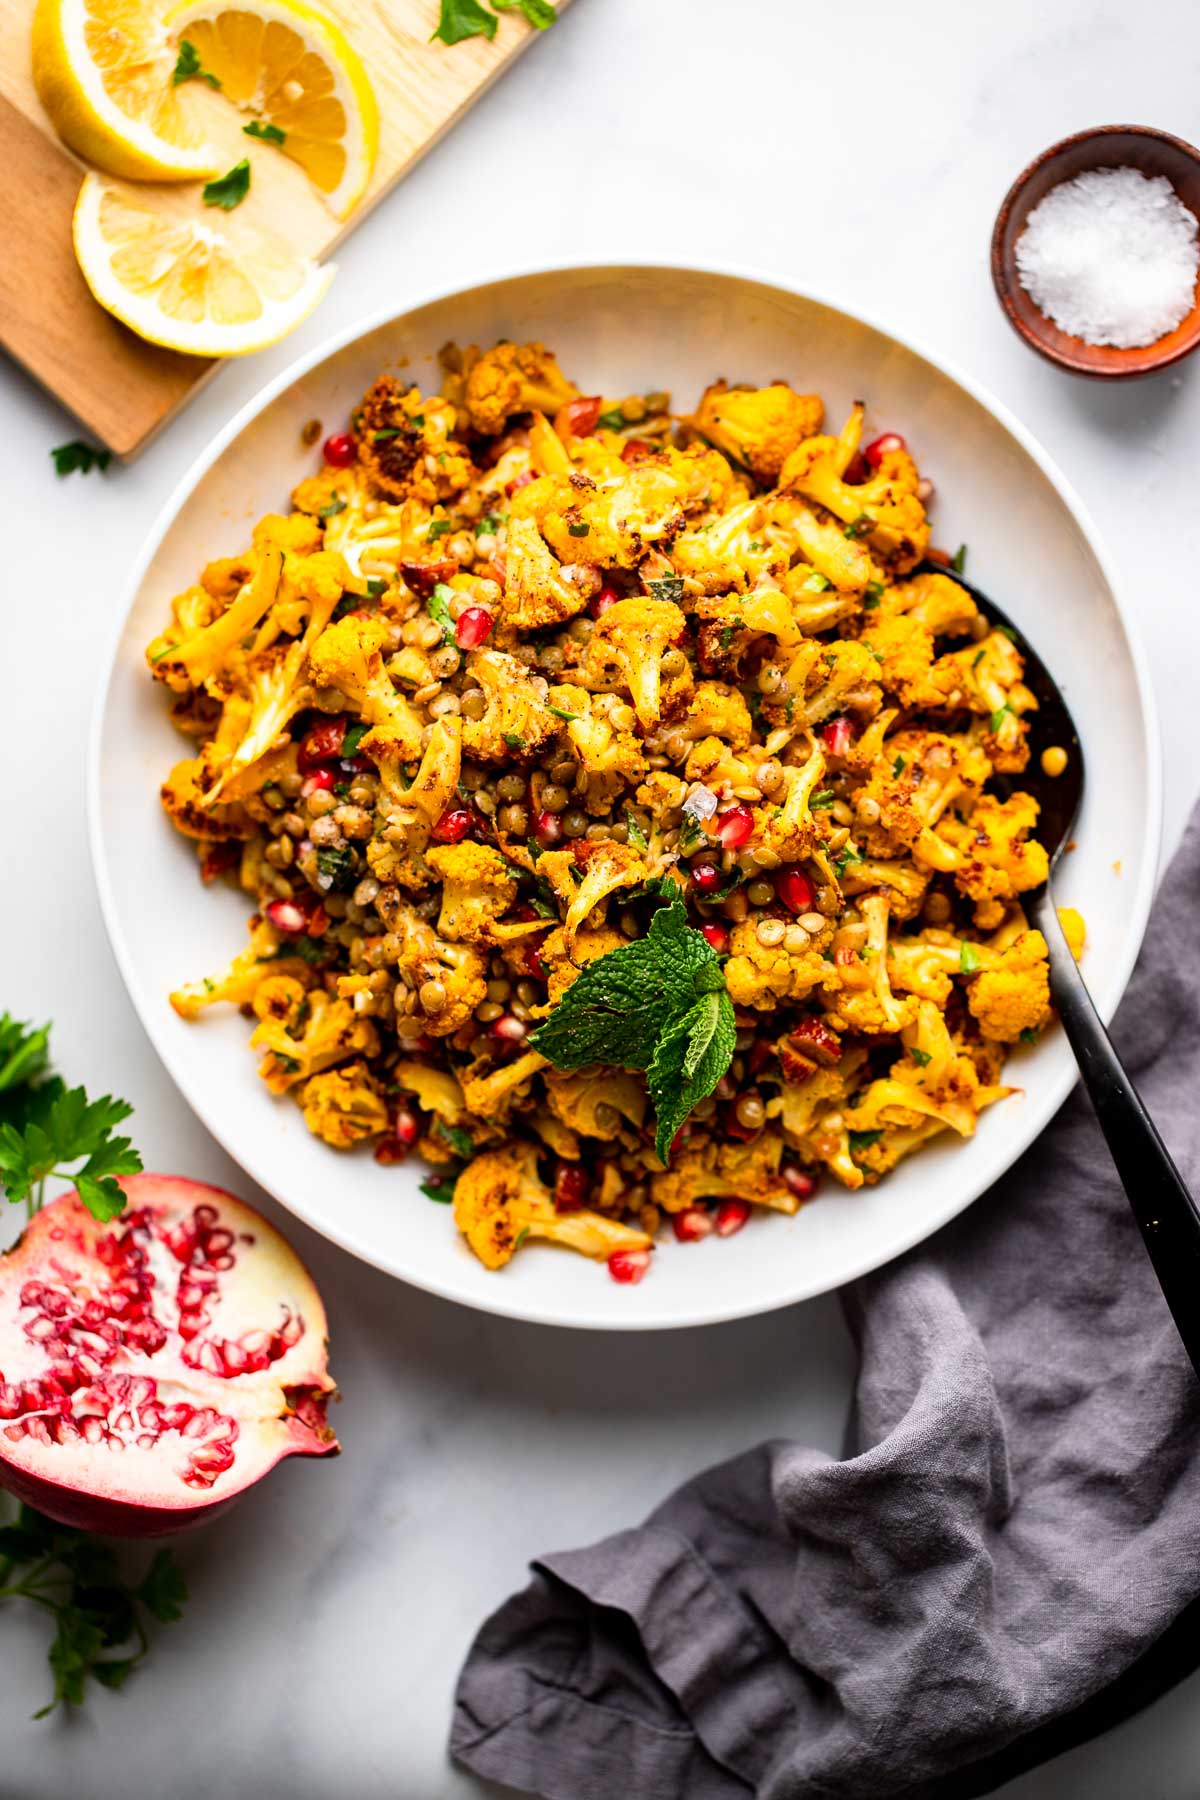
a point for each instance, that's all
(864, 149)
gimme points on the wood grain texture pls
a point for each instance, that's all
(121, 388)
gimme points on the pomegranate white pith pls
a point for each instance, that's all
(154, 1368)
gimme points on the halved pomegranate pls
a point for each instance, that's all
(153, 1369)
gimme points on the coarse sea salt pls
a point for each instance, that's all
(1111, 257)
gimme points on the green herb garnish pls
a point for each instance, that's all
(997, 718)
(188, 67)
(968, 959)
(339, 868)
(438, 608)
(922, 1058)
(97, 1610)
(872, 595)
(612, 420)
(539, 13)
(658, 1004)
(514, 740)
(666, 587)
(560, 712)
(79, 458)
(858, 526)
(46, 1127)
(958, 561)
(580, 530)
(459, 1140)
(862, 1140)
(489, 525)
(897, 767)
(821, 801)
(441, 1187)
(332, 508)
(1030, 1034)
(459, 19)
(376, 586)
(385, 436)
(815, 583)
(438, 528)
(267, 134)
(636, 835)
(354, 737)
(230, 189)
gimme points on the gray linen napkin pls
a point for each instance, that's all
(1004, 1562)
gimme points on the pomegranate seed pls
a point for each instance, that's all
(706, 877)
(453, 826)
(802, 1184)
(341, 451)
(473, 627)
(320, 779)
(580, 416)
(608, 596)
(939, 556)
(836, 735)
(628, 1266)
(389, 1151)
(717, 936)
(534, 966)
(636, 450)
(796, 891)
(571, 1184)
(547, 827)
(880, 447)
(857, 470)
(731, 1216)
(322, 744)
(693, 1223)
(509, 1029)
(519, 481)
(287, 917)
(406, 1126)
(734, 827)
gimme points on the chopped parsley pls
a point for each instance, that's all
(666, 587)
(354, 737)
(514, 740)
(459, 1140)
(922, 1058)
(331, 508)
(438, 608)
(230, 189)
(581, 530)
(897, 768)
(78, 458)
(820, 801)
(872, 595)
(846, 860)
(958, 561)
(188, 67)
(997, 718)
(968, 959)
(637, 836)
(460, 19)
(266, 134)
(1030, 1034)
(337, 867)
(560, 712)
(862, 1140)
(438, 528)
(488, 526)
(388, 432)
(46, 1127)
(857, 527)
(815, 583)
(613, 419)
(441, 1187)
(376, 586)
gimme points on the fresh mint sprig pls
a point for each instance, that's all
(659, 1005)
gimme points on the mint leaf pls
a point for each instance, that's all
(460, 19)
(689, 1060)
(230, 189)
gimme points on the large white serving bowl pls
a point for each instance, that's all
(622, 329)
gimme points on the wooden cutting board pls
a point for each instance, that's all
(119, 387)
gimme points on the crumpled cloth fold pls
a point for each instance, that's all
(1003, 1562)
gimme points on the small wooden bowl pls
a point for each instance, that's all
(1104, 147)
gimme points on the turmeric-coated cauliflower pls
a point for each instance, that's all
(500, 1200)
(344, 1106)
(514, 378)
(758, 427)
(516, 721)
(628, 649)
(407, 446)
(1012, 994)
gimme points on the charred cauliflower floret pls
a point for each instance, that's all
(304, 1032)
(195, 657)
(718, 710)
(186, 804)
(516, 722)
(734, 550)
(500, 1200)
(600, 730)
(995, 858)
(585, 875)
(449, 980)
(845, 677)
(884, 511)
(758, 427)
(514, 378)
(595, 1101)
(564, 960)
(344, 1106)
(1012, 993)
(406, 444)
(347, 656)
(937, 602)
(619, 521)
(629, 647)
(711, 1170)
(986, 678)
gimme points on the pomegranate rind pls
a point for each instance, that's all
(153, 1369)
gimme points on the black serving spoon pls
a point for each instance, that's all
(1167, 1216)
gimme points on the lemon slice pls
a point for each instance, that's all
(102, 70)
(293, 70)
(179, 280)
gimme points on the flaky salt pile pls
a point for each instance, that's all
(1111, 257)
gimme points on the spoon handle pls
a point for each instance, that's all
(1167, 1216)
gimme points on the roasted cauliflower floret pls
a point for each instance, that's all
(617, 522)
(449, 980)
(600, 730)
(196, 657)
(844, 678)
(500, 1200)
(937, 602)
(995, 858)
(758, 427)
(238, 984)
(514, 378)
(517, 721)
(344, 1106)
(304, 1032)
(718, 710)
(986, 678)
(186, 804)
(884, 510)
(478, 888)
(538, 589)
(406, 444)
(595, 1101)
(711, 1170)
(585, 875)
(761, 975)
(347, 656)
(629, 646)
(734, 550)
(1012, 993)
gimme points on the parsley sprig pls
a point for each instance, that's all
(47, 1128)
(100, 1615)
(658, 1004)
(460, 19)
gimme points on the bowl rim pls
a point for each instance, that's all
(504, 1303)
(1003, 284)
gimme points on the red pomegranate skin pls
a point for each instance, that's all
(153, 1369)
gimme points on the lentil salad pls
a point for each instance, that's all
(525, 669)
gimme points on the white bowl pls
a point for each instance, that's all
(620, 330)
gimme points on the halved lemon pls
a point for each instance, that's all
(293, 70)
(178, 280)
(102, 69)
